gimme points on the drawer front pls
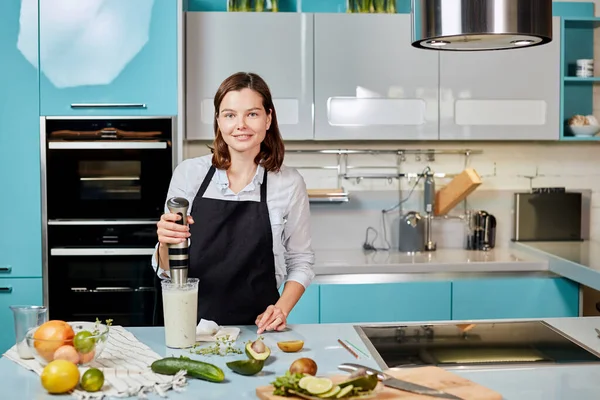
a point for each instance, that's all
(26, 291)
(389, 302)
(514, 298)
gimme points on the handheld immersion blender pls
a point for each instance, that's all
(429, 199)
(179, 252)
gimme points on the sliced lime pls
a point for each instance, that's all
(319, 385)
(304, 381)
(331, 393)
(344, 391)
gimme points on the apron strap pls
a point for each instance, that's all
(206, 181)
(263, 188)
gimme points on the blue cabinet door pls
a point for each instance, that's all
(20, 198)
(387, 302)
(306, 310)
(27, 291)
(108, 58)
(514, 298)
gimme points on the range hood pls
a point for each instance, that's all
(476, 25)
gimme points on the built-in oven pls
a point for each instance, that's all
(104, 184)
(108, 168)
(103, 271)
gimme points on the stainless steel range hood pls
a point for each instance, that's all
(476, 25)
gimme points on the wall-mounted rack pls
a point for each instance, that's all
(343, 167)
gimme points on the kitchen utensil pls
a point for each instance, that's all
(27, 317)
(395, 383)
(429, 200)
(179, 252)
(411, 235)
(430, 376)
(344, 345)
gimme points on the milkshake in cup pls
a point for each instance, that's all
(180, 308)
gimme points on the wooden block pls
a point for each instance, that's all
(456, 191)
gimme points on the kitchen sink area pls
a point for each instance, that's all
(473, 345)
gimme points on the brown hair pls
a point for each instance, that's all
(271, 149)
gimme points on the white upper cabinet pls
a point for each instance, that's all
(276, 46)
(501, 95)
(370, 84)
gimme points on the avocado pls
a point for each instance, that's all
(257, 350)
(246, 367)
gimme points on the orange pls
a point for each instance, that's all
(50, 336)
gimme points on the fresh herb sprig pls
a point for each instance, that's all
(289, 381)
(223, 346)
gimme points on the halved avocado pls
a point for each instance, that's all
(257, 350)
(246, 367)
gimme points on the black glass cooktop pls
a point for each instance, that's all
(479, 344)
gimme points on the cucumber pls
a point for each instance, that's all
(195, 369)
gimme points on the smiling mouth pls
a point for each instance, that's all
(244, 136)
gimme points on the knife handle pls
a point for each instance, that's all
(351, 367)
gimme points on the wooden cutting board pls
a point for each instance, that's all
(433, 377)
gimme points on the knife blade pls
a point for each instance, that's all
(395, 383)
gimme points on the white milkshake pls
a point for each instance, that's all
(180, 307)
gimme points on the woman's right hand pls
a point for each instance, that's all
(170, 232)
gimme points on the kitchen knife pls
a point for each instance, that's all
(392, 382)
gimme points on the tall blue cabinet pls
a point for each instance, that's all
(20, 199)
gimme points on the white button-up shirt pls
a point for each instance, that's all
(287, 201)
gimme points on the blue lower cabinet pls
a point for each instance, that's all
(514, 298)
(16, 291)
(306, 310)
(386, 302)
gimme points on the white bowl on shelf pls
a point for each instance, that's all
(585, 130)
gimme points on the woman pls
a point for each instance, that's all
(249, 214)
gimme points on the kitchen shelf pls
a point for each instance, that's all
(578, 79)
(578, 27)
(307, 6)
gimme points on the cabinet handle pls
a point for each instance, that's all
(5, 270)
(108, 105)
(6, 289)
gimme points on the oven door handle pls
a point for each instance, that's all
(102, 252)
(102, 145)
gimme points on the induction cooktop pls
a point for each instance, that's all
(477, 344)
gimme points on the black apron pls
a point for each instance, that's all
(231, 252)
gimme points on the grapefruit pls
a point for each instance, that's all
(50, 336)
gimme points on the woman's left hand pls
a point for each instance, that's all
(274, 318)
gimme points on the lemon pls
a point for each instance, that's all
(319, 385)
(83, 342)
(92, 380)
(60, 376)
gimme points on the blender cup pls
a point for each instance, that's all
(180, 307)
(26, 318)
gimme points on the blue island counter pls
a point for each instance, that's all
(580, 382)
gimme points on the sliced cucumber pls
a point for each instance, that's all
(344, 391)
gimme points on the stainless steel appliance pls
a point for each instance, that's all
(481, 231)
(467, 25)
(179, 252)
(105, 180)
(519, 343)
(547, 216)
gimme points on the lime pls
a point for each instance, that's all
(319, 385)
(331, 393)
(303, 382)
(83, 342)
(92, 380)
(60, 376)
(344, 391)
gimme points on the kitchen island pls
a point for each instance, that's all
(569, 381)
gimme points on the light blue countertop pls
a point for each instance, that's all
(578, 261)
(547, 382)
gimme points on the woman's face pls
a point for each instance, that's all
(243, 121)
